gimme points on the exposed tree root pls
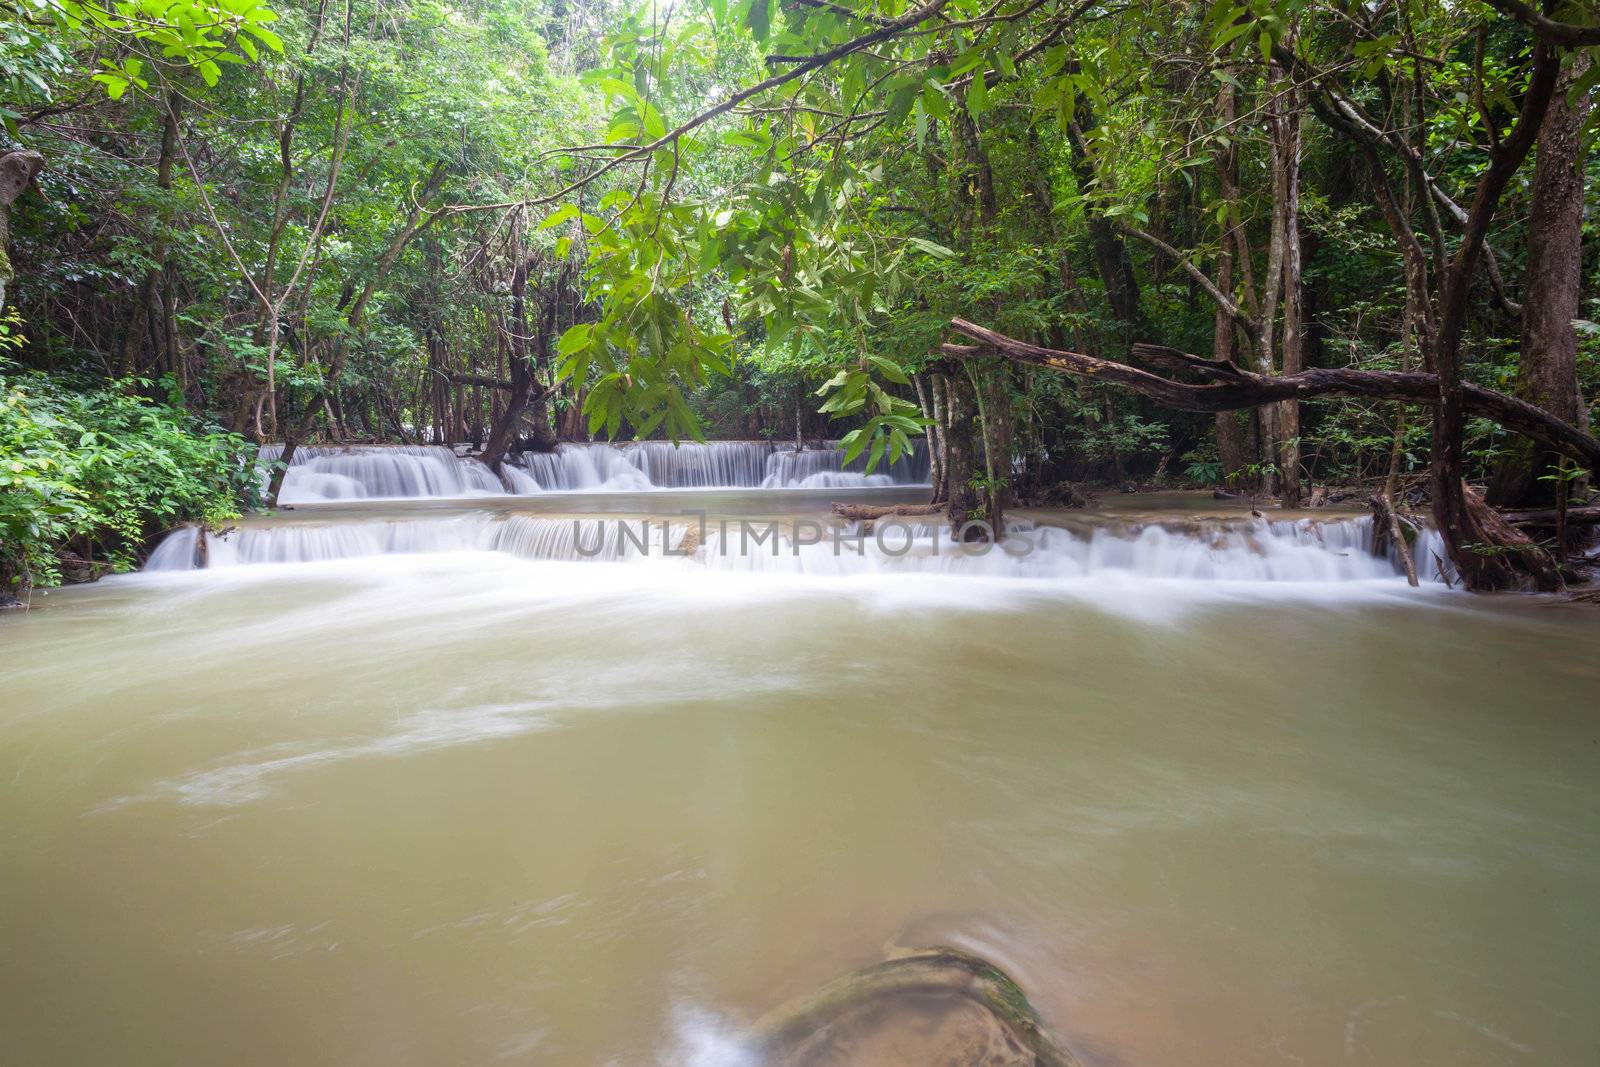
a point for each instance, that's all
(1522, 560)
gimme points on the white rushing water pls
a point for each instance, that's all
(1302, 550)
(326, 473)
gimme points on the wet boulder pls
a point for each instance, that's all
(935, 1007)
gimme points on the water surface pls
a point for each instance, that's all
(465, 807)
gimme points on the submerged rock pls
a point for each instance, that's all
(936, 1007)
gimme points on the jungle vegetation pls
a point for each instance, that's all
(1263, 245)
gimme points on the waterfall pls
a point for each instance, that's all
(1305, 550)
(523, 536)
(594, 466)
(366, 472)
(373, 471)
(825, 469)
(1302, 550)
(643, 465)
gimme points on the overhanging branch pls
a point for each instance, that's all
(1227, 387)
(1565, 34)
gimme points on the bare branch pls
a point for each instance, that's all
(1231, 388)
(1564, 34)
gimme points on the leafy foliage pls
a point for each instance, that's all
(94, 472)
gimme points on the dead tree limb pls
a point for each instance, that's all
(1586, 516)
(1228, 387)
(1389, 536)
(875, 511)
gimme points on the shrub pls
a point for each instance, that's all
(95, 474)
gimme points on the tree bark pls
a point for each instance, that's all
(963, 502)
(1547, 369)
(1457, 520)
(1236, 444)
(878, 511)
(17, 171)
(1286, 152)
(930, 434)
(940, 387)
(505, 427)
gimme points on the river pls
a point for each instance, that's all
(440, 801)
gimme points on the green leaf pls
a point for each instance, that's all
(758, 16)
(937, 250)
(978, 95)
(266, 37)
(877, 453)
(575, 339)
(890, 370)
(561, 214)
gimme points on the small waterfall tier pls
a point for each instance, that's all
(329, 473)
(1304, 550)
(644, 465)
(602, 540)
(363, 472)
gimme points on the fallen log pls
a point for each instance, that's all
(1227, 387)
(874, 511)
(1584, 516)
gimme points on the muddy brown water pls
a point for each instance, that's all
(468, 808)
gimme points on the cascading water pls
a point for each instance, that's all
(517, 535)
(643, 465)
(1304, 550)
(320, 474)
(362, 472)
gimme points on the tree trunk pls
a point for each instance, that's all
(994, 410)
(1110, 253)
(940, 387)
(1286, 135)
(930, 433)
(1229, 388)
(963, 502)
(1481, 559)
(1547, 369)
(522, 384)
(1235, 437)
(1236, 444)
(17, 171)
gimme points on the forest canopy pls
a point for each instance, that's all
(1258, 246)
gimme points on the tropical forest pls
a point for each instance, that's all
(780, 533)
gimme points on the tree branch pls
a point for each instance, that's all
(802, 65)
(1231, 388)
(840, 9)
(1252, 328)
(1565, 34)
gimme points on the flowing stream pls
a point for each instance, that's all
(430, 782)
